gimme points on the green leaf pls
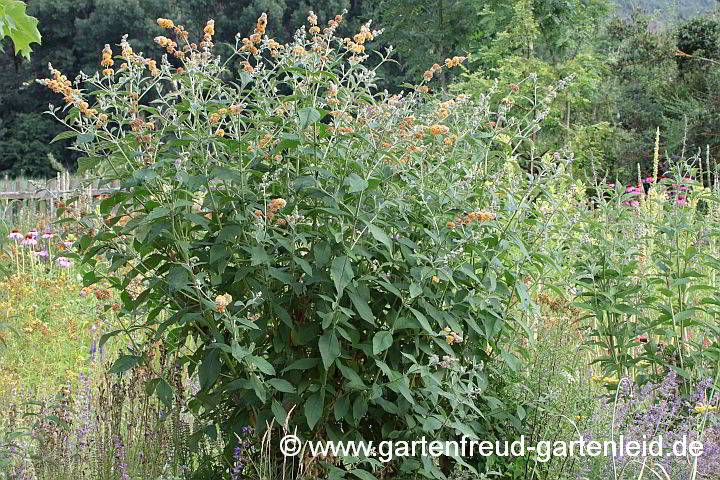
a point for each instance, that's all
(362, 308)
(356, 183)
(124, 363)
(308, 116)
(262, 364)
(20, 27)
(314, 407)
(85, 164)
(342, 407)
(302, 364)
(380, 235)
(281, 385)
(209, 368)
(352, 376)
(382, 341)
(64, 135)
(85, 138)
(279, 412)
(329, 348)
(341, 272)
(164, 392)
(423, 320)
(360, 407)
(363, 475)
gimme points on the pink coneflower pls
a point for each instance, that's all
(611, 185)
(63, 262)
(68, 245)
(648, 180)
(41, 253)
(29, 240)
(15, 234)
(33, 232)
(634, 203)
(681, 198)
(47, 233)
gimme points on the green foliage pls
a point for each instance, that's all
(698, 37)
(21, 28)
(326, 252)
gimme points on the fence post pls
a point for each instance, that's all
(6, 188)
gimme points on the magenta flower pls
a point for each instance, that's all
(33, 232)
(41, 253)
(68, 245)
(611, 185)
(15, 235)
(63, 262)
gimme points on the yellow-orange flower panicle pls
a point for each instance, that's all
(166, 43)
(261, 24)
(438, 129)
(454, 61)
(208, 31)
(165, 23)
(107, 60)
(276, 204)
(222, 301)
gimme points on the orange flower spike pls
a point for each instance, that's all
(165, 23)
(107, 60)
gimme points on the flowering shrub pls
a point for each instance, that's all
(349, 256)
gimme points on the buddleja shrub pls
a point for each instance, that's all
(335, 259)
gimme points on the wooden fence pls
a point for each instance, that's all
(26, 198)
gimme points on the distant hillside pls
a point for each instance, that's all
(668, 9)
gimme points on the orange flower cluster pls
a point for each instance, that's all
(165, 23)
(256, 37)
(452, 337)
(313, 20)
(102, 294)
(235, 109)
(333, 23)
(274, 205)
(443, 109)
(222, 301)
(127, 50)
(428, 74)
(356, 44)
(454, 61)
(179, 30)
(208, 31)
(152, 66)
(467, 218)
(171, 46)
(107, 60)
(139, 124)
(438, 129)
(60, 84)
(332, 94)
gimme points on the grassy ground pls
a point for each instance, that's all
(52, 323)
